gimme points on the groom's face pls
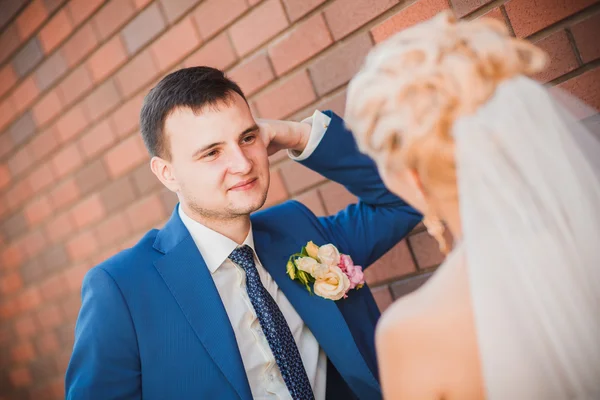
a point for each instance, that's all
(218, 159)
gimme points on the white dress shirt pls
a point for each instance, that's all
(261, 368)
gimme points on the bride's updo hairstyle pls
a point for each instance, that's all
(412, 87)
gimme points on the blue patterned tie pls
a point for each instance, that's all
(275, 327)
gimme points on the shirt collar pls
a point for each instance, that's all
(214, 247)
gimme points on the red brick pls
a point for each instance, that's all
(101, 100)
(71, 124)
(20, 161)
(23, 352)
(67, 160)
(585, 34)
(426, 250)
(287, 97)
(7, 112)
(495, 13)
(20, 377)
(143, 29)
(111, 17)
(585, 86)
(464, 7)
(55, 31)
(338, 66)
(18, 194)
(7, 144)
(126, 118)
(4, 176)
(8, 308)
(298, 177)
(312, 200)
(307, 39)
(87, 212)
(145, 213)
(82, 246)
(47, 108)
(393, 265)
(74, 85)
(253, 73)
(7, 78)
(34, 242)
(59, 228)
(38, 210)
(65, 193)
(29, 299)
(562, 57)
(47, 343)
(213, 15)
(24, 94)
(31, 18)
(299, 8)
(10, 283)
(175, 44)
(80, 45)
(44, 143)
(407, 17)
(81, 9)
(383, 297)
(336, 197)
(335, 103)
(112, 230)
(173, 9)
(74, 277)
(259, 25)
(50, 316)
(530, 16)
(41, 177)
(277, 191)
(217, 53)
(345, 16)
(26, 326)
(97, 139)
(139, 4)
(125, 156)
(107, 59)
(53, 287)
(137, 73)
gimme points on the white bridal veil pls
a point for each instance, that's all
(529, 186)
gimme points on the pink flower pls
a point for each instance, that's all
(353, 272)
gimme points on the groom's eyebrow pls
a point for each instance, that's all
(212, 145)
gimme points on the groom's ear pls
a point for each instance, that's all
(164, 172)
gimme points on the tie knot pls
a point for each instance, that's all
(243, 256)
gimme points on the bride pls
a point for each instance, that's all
(456, 128)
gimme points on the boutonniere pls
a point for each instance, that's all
(332, 274)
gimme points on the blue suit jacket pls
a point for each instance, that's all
(152, 323)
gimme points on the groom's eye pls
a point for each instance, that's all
(249, 139)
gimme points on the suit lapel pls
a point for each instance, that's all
(322, 316)
(189, 280)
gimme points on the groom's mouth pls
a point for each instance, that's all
(244, 185)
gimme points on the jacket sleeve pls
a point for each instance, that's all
(105, 360)
(380, 219)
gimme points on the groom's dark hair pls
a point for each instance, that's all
(195, 88)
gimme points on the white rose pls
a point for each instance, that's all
(333, 285)
(329, 255)
(311, 266)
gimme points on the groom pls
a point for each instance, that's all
(203, 308)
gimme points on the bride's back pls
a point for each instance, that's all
(426, 342)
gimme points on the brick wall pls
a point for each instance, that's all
(75, 186)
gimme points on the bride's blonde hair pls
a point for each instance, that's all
(412, 87)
